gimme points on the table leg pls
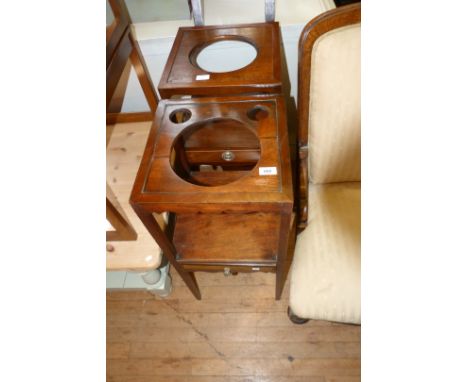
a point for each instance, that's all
(285, 251)
(167, 247)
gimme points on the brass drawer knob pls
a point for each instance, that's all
(228, 156)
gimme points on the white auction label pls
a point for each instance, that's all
(267, 171)
(202, 77)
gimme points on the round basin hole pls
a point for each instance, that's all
(226, 56)
(180, 115)
(215, 152)
(258, 113)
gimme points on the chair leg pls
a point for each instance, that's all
(295, 319)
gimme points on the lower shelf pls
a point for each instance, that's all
(227, 239)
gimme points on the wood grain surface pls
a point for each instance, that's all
(208, 208)
(263, 75)
(158, 184)
(227, 238)
(123, 156)
(239, 332)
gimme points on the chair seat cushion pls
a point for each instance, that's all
(326, 270)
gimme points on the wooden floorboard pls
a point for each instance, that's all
(237, 332)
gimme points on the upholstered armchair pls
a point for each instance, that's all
(325, 274)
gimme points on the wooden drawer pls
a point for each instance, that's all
(222, 268)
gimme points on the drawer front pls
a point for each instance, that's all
(227, 268)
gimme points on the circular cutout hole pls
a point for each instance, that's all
(258, 113)
(215, 152)
(226, 56)
(180, 115)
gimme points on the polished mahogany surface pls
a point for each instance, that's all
(183, 169)
(221, 167)
(183, 76)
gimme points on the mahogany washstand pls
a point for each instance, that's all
(221, 167)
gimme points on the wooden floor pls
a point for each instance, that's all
(238, 332)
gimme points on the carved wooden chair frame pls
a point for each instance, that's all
(317, 27)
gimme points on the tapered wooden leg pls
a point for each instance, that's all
(167, 247)
(118, 95)
(136, 57)
(285, 251)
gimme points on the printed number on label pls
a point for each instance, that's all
(267, 171)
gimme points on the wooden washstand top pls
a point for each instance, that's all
(183, 76)
(242, 140)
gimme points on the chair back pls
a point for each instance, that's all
(329, 102)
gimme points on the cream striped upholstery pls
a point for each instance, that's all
(335, 107)
(326, 270)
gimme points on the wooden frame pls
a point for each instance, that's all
(117, 29)
(123, 230)
(142, 116)
(263, 75)
(317, 27)
(121, 48)
(207, 214)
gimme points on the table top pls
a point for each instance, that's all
(266, 187)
